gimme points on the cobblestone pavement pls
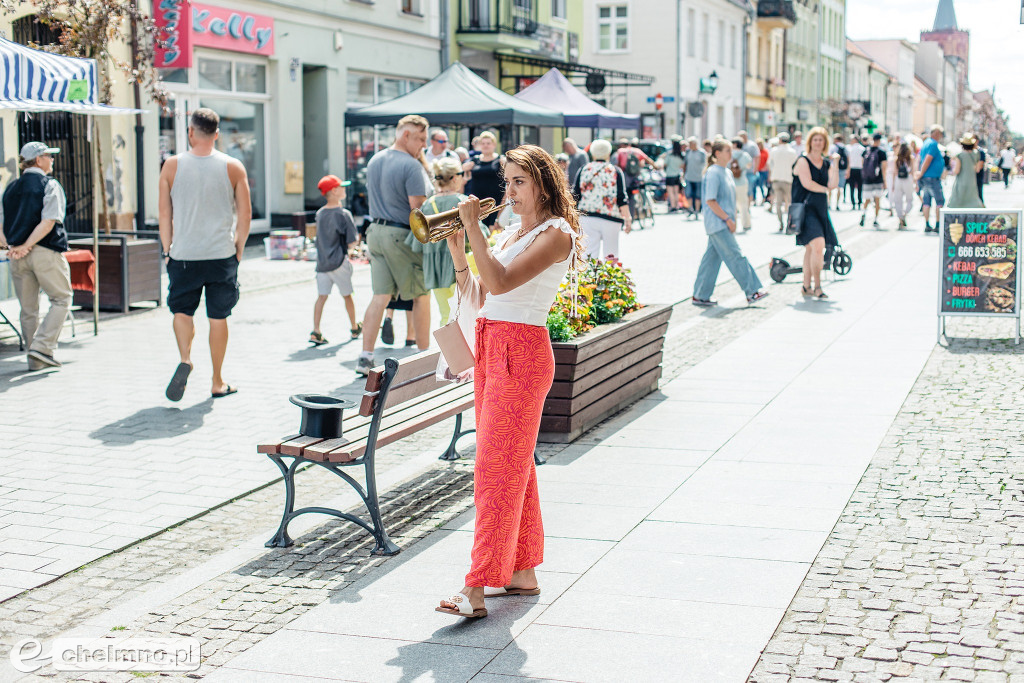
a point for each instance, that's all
(923, 578)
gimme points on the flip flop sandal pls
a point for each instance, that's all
(317, 339)
(806, 291)
(356, 331)
(176, 387)
(507, 592)
(464, 609)
(221, 394)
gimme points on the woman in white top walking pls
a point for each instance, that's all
(515, 366)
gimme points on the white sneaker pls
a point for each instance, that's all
(364, 365)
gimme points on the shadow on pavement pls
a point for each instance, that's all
(158, 422)
(22, 376)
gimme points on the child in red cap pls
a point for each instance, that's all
(335, 235)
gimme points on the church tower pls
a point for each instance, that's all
(955, 44)
(945, 32)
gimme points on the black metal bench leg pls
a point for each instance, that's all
(450, 453)
(385, 546)
(281, 539)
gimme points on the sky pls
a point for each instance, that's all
(997, 39)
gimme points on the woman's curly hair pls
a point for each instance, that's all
(555, 197)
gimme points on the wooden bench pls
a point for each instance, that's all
(400, 398)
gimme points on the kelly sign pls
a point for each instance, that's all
(227, 29)
(174, 23)
(183, 25)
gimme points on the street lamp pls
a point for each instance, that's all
(710, 84)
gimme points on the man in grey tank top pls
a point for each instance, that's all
(205, 213)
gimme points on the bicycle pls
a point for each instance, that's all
(643, 201)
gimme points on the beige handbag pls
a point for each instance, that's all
(454, 347)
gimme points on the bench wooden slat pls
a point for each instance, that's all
(319, 451)
(418, 415)
(274, 448)
(295, 446)
(400, 431)
(413, 366)
(402, 392)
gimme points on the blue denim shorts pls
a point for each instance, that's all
(931, 189)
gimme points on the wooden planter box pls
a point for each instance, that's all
(129, 272)
(603, 371)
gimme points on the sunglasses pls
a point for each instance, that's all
(441, 140)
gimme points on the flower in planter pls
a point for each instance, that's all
(605, 294)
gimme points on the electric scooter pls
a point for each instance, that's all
(836, 260)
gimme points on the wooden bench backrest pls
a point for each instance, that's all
(414, 378)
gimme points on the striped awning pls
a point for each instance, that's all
(37, 81)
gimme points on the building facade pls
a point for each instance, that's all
(766, 66)
(898, 57)
(282, 98)
(832, 63)
(802, 48)
(678, 44)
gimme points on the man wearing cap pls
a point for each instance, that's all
(396, 183)
(32, 218)
(335, 235)
(201, 193)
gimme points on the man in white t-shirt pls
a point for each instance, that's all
(1007, 158)
(798, 142)
(855, 182)
(780, 173)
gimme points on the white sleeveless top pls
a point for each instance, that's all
(530, 302)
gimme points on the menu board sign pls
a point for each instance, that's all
(980, 268)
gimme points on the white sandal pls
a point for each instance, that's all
(463, 608)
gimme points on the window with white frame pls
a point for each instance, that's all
(721, 42)
(705, 37)
(732, 45)
(558, 9)
(691, 33)
(612, 28)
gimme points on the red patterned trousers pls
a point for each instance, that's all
(513, 374)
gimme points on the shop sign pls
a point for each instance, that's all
(173, 20)
(183, 25)
(227, 29)
(980, 263)
(550, 41)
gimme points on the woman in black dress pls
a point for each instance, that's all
(487, 173)
(814, 177)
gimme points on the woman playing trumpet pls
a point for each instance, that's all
(518, 281)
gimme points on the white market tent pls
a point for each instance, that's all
(36, 81)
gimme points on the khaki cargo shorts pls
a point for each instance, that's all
(395, 269)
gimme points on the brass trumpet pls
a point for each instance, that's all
(441, 226)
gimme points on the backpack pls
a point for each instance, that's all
(734, 166)
(844, 160)
(872, 168)
(903, 171)
(632, 165)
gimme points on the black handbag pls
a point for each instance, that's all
(796, 218)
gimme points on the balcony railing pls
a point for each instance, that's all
(516, 17)
(777, 9)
